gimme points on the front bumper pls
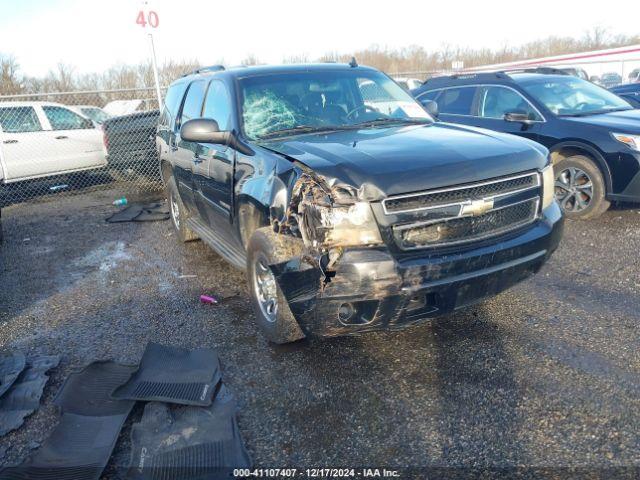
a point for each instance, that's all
(374, 290)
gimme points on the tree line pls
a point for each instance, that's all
(409, 59)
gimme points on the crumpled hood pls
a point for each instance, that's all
(627, 121)
(403, 159)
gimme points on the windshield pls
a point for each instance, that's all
(96, 114)
(571, 96)
(289, 103)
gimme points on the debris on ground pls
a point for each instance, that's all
(188, 443)
(81, 444)
(148, 212)
(175, 375)
(10, 368)
(208, 299)
(23, 397)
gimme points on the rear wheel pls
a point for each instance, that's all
(272, 312)
(179, 213)
(580, 188)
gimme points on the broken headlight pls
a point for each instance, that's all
(336, 219)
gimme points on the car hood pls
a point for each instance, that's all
(627, 121)
(390, 161)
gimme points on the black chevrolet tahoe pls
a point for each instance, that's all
(350, 208)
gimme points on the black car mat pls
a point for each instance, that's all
(150, 212)
(10, 368)
(81, 444)
(173, 375)
(187, 443)
(23, 398)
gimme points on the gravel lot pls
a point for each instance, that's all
(545, 375)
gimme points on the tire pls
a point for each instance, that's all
(580, 188)
(272, 312)
(179, 213)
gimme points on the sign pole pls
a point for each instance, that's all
(155, 71)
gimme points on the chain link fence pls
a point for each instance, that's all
(64, 142)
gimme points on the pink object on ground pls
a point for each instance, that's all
(207, 299)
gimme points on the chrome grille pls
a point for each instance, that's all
(467, 229)
(439, 198)
(465, 213)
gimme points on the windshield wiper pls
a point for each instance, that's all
(300, 129)
(597, 112)
(384, 121)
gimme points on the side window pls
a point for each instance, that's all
(61, 118)
(457, 101)
(19, 119)
(428, 96)
(192, 107)
(496, 101)
(172, 103)
(217, 105)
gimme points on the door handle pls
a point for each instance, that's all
(10, 141)
(61, 137)
(197, 160)
(173, 148)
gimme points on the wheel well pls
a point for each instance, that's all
(250, 218)
(571, 150)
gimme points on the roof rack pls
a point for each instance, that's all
(541, 70)
(210, 68)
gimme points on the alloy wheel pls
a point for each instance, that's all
(574, 189)
(265, 289)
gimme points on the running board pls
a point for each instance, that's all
(231, 253)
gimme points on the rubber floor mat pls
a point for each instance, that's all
(173, 375)
(23, 398)
(81, 444)
(10, 368)
(150, 212)
(187, 443)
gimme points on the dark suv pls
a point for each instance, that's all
(593, 135)
(349, 207)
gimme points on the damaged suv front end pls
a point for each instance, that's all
(385, 263)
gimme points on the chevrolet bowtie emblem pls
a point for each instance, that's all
(477, 207)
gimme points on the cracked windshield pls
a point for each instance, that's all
(285, 104)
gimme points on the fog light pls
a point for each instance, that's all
(346, 311)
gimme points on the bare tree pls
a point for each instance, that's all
(11, 81)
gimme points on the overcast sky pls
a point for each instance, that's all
(94, 34)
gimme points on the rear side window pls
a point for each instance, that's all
(63, 119)
(19, 119)
(193, 102)
(218, 105)
(457, 101)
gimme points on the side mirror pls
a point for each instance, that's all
(202, 130)
(206, 130)
(431, 107)
(517, 116)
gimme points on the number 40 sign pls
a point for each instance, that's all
(147, 18)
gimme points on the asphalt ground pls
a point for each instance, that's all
(546, 376)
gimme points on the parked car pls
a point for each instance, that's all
(630, 92)
(611, 79)
(347, 218)
(408, 83)
(634, 76)
(593, 135)
(131, 146)
(39, 140)
(97, 114)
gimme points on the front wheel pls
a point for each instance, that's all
(272, 312)
(580, 188)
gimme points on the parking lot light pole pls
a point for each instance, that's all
(155, 71)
